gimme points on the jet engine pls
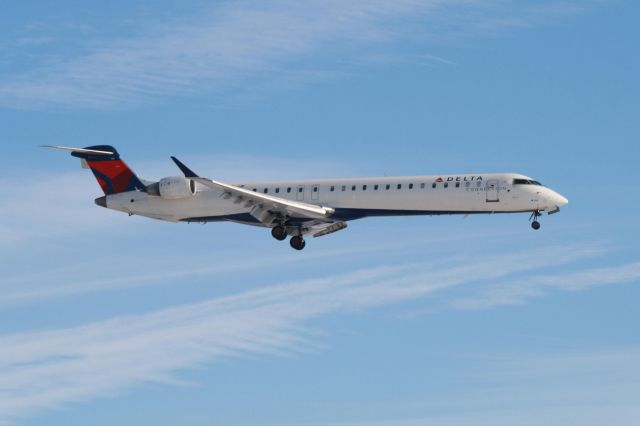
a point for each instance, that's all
(173, 188)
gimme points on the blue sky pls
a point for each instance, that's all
(109, 319)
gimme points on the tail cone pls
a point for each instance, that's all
(101, 201)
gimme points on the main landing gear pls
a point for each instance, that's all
(279, 232)
(535, 224)
(297, 242)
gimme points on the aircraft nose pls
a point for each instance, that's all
(558, 199)
(563, 200)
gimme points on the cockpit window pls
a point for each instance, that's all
(526, 182)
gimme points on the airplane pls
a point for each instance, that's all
(316, 207)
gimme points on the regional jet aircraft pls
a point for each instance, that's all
(317, 207)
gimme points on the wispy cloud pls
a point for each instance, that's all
(20, 289)
(44, 205)
(46, 369)
(235, 43)
(535, 286)
(53, 282)
(35, 41)
(586, 386)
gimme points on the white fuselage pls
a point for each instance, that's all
(354, 198)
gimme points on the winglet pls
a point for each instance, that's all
(188, 173)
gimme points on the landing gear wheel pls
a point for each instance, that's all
(534, 216)
(279, 232)
(297, 242)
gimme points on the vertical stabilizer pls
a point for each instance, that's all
(112, 174)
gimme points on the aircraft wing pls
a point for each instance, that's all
(265, 208)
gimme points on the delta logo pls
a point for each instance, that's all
(458, 179)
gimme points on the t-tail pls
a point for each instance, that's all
(112, 174)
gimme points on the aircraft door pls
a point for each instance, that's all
(315, 192)
(300, 193)
(493, 191)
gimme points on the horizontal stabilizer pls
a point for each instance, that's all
(79, 150)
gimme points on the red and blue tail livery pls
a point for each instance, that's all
(112, 174)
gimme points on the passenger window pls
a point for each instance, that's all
(375, 187)
(422, 186)
(255, 189)
(364, 187)
(315, 189)
(277, 190)
(332, 188)
(300, 189)
(410, 186)
(446, 184)
(289, 189)
(387, 187)
(353, 187)
(344, 188)
(265, 190)
(433, 185)
(457, 184)
(399, 186)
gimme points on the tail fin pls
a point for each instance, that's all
(111, 172)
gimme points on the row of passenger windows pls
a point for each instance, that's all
(399, 186)
(375, 187)
(277, 190)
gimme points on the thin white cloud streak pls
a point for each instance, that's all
(593, 414)
(55, 283)
(16, 290)
(44, 205)
(233, 43)
(238, 42)
(46, 369)
(537, 286)
(586, 386)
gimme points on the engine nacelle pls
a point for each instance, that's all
(173, 188)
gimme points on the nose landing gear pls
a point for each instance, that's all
(535, 224)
